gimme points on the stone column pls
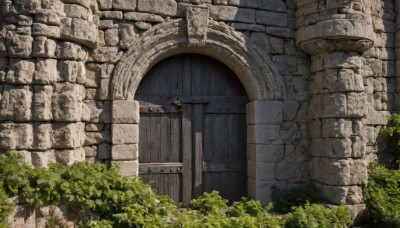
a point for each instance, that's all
(264, 147)
(335, 33)
(43, 49)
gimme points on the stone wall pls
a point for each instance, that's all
(269, 24)
(43, 49)
(336, 60)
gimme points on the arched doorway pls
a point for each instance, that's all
(193, 128)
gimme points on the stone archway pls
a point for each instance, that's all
(199, 35)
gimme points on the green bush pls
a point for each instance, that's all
(285, 199)
(5, 207)
(317, 216)
(103, 198)
(382, 196)
(391, 135)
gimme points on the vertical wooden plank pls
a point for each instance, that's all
(178, 73)
(144, 143)
(197, 125)
(175, 137)
(186, 134)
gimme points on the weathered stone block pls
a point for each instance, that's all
(71, 51)
(125, 112)
(85, 113)
(124, 4)
(338, 147)
(289, 132)
(264, 134)
(89, 127)
(112, 15)
(44, 47)
(125, 133)
(42, 103)
(230, 13)
(16, 136)
(24, 20)
(96, 138)
(261, 171)
(46, 71)
(19, 46)
(104, 92)
(68, 71)
(340, 195)
(128, 35)
(129, 168)
(356, 104)
(261, 112)
(329, 105)
(341, 60)
(265, 153)
(339, 171)
(47, 17)
(124, 152)
(111, 37)
(163, 7)
(42, 136)
(271, 5)
(271, 18)
(68, 136)
(143, 25)
(343, 80)
(20, 71)
(67, 102)
(76, 11)
(147, 17)
(80, 31)
(337, 128)
(15, 103)
(40, 159)
(40, 29)
(106, 54)
(69, 157)
(293, 169)
(90, 151)
(105, 4)
(100, 112)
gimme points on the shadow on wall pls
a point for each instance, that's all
(283, 162)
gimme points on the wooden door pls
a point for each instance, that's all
(192, 129)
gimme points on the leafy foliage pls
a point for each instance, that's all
(284, 199)
(382, 195)
(244, 213)
(317, 216)
(102, 198)
(5, 207)
(391, 135)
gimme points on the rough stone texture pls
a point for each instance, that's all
(163, 7)
(125, 112)
(322, 80)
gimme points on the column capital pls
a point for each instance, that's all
(343, 25)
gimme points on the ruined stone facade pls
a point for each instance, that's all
(320, 76)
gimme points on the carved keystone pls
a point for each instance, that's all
(197, 23)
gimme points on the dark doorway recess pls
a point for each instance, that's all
(192, 136)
